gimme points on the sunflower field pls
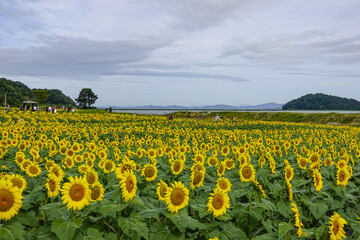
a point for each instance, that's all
(118, 176)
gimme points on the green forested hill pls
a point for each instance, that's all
(321, 101)
(17, 92)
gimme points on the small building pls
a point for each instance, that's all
(28, 104)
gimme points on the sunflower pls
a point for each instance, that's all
(229, 164)
(328, 161)
(342, 177)
(109, 166)
(33, 170)
(91, 176)
(336, 228)
(196, 179)
(150, 172)
(53, 186)
(258, 185)
(221, 169)
(57, 171)
(318, 182)
(289, 186)
(218, 202)
(97, 192)
(161, 190)
(126, 166)
(212, 161)
(76, 193)
(247, 173)
(289, 173)
(17, 181)
(224, 184)
(177, 166)
(177, 197)
(10, 200)
(298, 223)
(302, 162)
(199, 158)
(69, 162)
(128, 184)
(225, 151)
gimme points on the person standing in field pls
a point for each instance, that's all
(217, 118)
(110, 109)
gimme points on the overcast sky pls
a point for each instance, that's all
(184, 52)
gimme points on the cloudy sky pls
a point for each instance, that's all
(184, 52)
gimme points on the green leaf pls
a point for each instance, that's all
(135, 225)
(284, 209)
(233, 232)
(284, 228)
(318, 209)
(180, 219)
(195, 224)
(320, 232)
(93, 233)
(28, 218)
(266, 236)
(12, 230)
(65, 230)
(55, 210)
(109, 208)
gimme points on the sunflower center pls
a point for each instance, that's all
(69, 162)
(247, 172)
(223, 185)
(108, 166)
(26, 164)
(229, 164)
(197, 178)
(288, 174)
(17, 182)
(33, 170)
(336, 228)
(125, 168)
(221, 168)
(149, 172)
(212, 161)
(129, 185)
(177, 197)
(77, 192)
(342, 176)
(95, 193)
(52, 185)
(218, 201)
(90, 178)
(177, 166)
(163, 189)
(6, 200)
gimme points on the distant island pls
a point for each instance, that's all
(320, 101)
(17, 92)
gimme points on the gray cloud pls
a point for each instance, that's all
(306, 47)
(70, 57)
(195, 15)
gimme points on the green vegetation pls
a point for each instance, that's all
(86, 98)
(317, 118)
(17, 92)
(321, 101)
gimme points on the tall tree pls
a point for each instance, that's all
(86, 98)
(42, 95)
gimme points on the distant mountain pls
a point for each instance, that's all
(218, 106)
(320, 101)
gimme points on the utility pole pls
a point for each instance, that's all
(5, 101)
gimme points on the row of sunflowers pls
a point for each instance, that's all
(119, 176)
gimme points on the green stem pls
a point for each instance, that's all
(250, 200)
